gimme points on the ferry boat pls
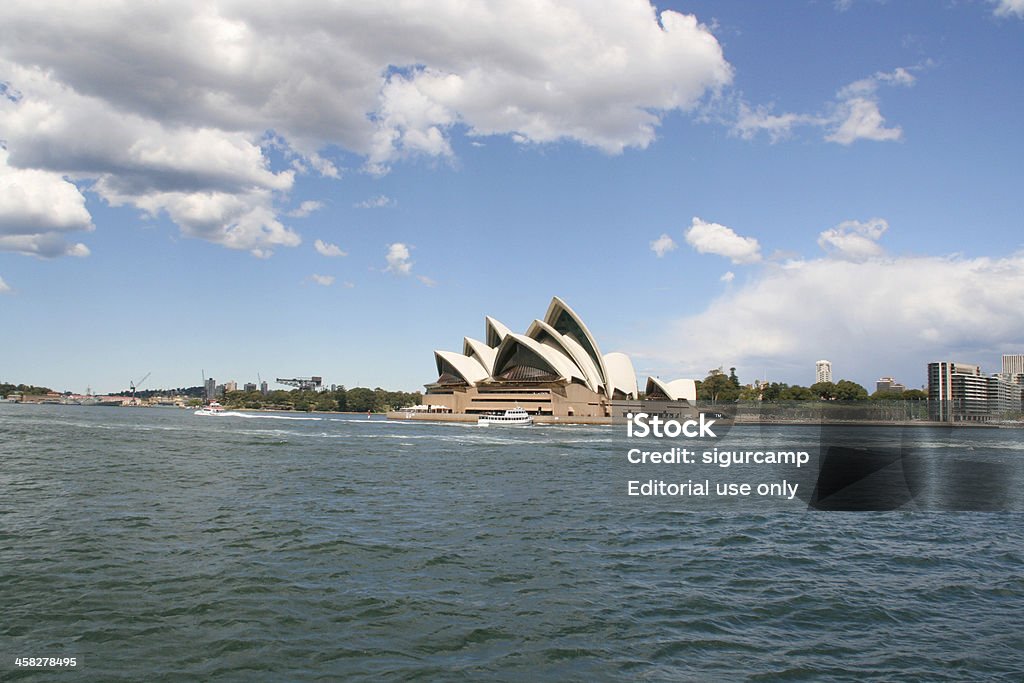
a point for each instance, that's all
(211, 408)
(513, 416)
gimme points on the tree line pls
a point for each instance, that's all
(719, 387)
(24, 389)
(355, 400)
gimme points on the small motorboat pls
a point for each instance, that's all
(211, 408)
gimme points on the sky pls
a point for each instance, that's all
(243, 189)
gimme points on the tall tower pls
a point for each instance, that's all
(823, 371)
(1013, 365)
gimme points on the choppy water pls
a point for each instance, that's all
(159, 545)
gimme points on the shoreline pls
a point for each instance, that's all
(607, 421)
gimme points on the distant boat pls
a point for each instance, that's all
(109, 402)
(211, 408)
(511, 417)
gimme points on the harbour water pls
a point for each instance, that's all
(153, 544)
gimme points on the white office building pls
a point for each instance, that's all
(1013, 365)
(823, 371)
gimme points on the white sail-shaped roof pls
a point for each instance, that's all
(546, 334)
(469, 369)
(557, 364)
(676, 390)
(561, 317)
(494, 332)
(482, 353)
(621, 375)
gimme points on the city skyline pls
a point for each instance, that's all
(331, 189)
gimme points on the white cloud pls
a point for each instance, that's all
(854, 240)
(872, 317)
(728, 276)
(327, 249)
(428, 281)
(163, 99)
(379, 202)
(713, 238)
(323, 280)
(860, 119)
(853, 115)
(215, 185)
(752, 121)
(246, 220)
(36, 209)
(398, 259)
(663, 245)
(4, 287)
(1005, 8)
(306, 208)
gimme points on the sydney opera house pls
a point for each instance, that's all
(555, 369)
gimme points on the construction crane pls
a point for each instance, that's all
(138, 385)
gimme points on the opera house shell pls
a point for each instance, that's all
(556, 368)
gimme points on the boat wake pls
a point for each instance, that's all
(251, 416)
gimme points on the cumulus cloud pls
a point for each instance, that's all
(36, 209)
(328, 249)
(713, 238)
(663, 245)
(867, 311)
(379, 202)
(728, 276)
(871, 317)
(854, 240)
(215, 185)
(170, 106)
(306, 208)
(398, 259)
(1006, 8)
(322, 280)
(853, 115)
(4, 287)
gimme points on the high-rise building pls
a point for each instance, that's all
(250, 386)
(958, 392)
(264, 388)
(211, 389)
(231, 385)
(1013, 365)
(823, 371)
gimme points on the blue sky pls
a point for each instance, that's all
(822, 179)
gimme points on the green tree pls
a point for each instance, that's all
(773, 391)
(717, 387)
(824, 390)
(914, 395)
(797, 393)
(887, 395)
(750, 393)
(361, 400)
(325, 402)
(850, 391)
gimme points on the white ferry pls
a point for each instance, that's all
(212, 408)
(514, 416)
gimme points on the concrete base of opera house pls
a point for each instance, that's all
(463, 417)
